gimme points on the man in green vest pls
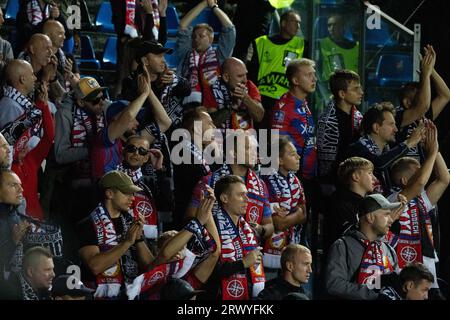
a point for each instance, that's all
(271, 55)
(336, 52)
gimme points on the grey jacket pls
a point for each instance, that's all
(183, 47)
(64, 152)
(344, 259)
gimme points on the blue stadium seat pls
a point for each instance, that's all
(12, 7)
(68, 45)
(173, 21)
(321, 28)
(207, 16)
(394, 70)
(377, 38)
(171, 59)
(87, 58)
(109, 60)
(103, 20)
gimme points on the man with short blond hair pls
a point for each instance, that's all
(296, 267)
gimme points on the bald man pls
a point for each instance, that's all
(66, 66)
(4, 153)
(20, 81)
(235, 102)
(38, 52)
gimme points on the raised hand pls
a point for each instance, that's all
(162, 7)
(42, 93)
(19, 231)
(416, 135)
(204, 211)
(252, 258)
(156, 159)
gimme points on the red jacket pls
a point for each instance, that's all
(29, 168)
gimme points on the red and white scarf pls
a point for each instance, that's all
(373, 263)
(156, 18)
(110, 281)
(152, 281)
(288, 194)
(84, 128)
(19, 132)
(35, 13)
(130, 13)
(204, 70)
(143, 203)
(237, 241)
(409, 245)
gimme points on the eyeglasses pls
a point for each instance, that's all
(132, 149)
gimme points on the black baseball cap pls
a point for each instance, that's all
(178, 289)
(151, 46)
(68, 285)
(375, 202)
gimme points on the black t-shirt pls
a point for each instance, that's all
(87, 237)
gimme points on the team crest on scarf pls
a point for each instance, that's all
(237, 241)
(287, 192)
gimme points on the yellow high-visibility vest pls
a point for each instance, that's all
(335, 58)
(273, 59)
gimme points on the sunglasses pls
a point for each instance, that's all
(132, 149)
(97, 100)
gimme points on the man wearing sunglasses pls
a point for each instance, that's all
(78, 119)
(136, 153)
(121, 123)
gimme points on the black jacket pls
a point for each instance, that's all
(278, 289)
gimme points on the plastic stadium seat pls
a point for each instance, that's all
(394, 70)
(173, 21)
(68, 45)
(377, 38)
(87, 59)
(12, 7)
(207, 16)
(171, 59)
(103, 20)
(109, 60)
(321, 28)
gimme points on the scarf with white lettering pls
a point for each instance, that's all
(84, 128)
(35, 13)
(204, 70)
(202, 243)
(287, 192)
(238, 241)
(151, 282)
(171, 103)
(328, 137)
(239, 117)
(373, 262)
(143, 203)
(197, 155)
(255, 193)
(409, 241)
(19, 132)
(125, 269)
(130, 13)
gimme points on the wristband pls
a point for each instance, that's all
(139, 240)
